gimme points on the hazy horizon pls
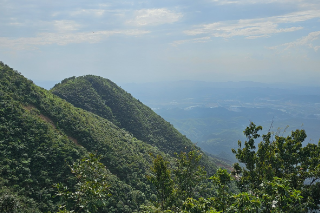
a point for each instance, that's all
(219, 84)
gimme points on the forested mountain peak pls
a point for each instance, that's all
(104, 98)
(42, 134)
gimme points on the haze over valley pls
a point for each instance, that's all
(214, 114)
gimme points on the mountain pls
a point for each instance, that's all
(104, 98)
(41, 134)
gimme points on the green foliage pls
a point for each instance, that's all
(12, 202)
(274, 196)
(244, 202)
(173, 191)
(161, 179)
(32, 154)
(199, 206)
(277, 195)
(188, 173)
(81, 94)
(221, 180)
(280, 176)
(91, 189)
(284, 165)
(104, 98)
(41, 134)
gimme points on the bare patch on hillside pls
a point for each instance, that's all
(75, 141)
(29, 107)
(49, 121)
(43, 117)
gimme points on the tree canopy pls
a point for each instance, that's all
(279, 175)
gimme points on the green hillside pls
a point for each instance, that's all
(57, 157)
(104, 98)
(42, 134)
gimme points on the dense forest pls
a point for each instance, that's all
(89, 146)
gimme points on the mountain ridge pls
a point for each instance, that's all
(37, 143)
(42, 134)
(128, 112)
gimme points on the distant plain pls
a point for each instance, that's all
(214, 115)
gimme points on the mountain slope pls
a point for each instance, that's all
(104, 98)
(41, 134)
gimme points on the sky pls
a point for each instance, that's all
(139, 41)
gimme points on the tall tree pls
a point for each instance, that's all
(161, 178)
(188, 173)
(91, 188)
(222, 179)
(284, 158)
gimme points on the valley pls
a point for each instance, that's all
(214, 115)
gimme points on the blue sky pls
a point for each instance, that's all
(146, 41)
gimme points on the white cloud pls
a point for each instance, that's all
(254, 28)
(63, 38)
(304, 41)
(65, 25)
(154, 17)
(299, 2)
(93, 12)
(297, 16)
(195, 40)
(15, 24)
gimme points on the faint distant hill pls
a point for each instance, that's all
(176, 93)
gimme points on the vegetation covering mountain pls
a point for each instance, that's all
(104, 98)
(53, 154)
(41, 134)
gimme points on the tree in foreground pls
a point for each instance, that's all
(224, 200)
(91, 189)
(279, 175)
(281, 172)
(188, 174)
(161, 179)
(176, 185)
